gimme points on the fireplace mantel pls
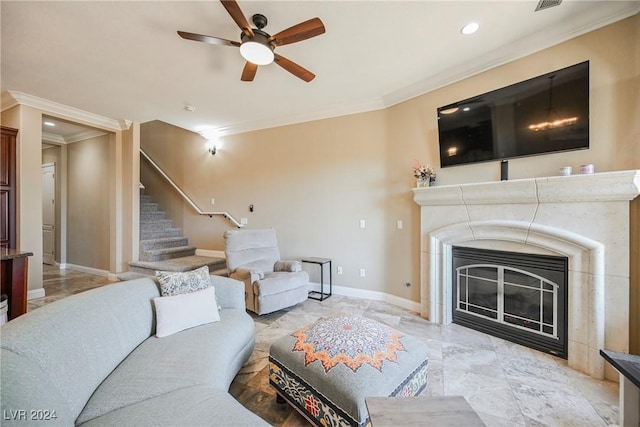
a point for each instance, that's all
(608, 186)
(582, 217)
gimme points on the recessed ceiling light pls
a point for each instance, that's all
(470, 28)
(49, 123)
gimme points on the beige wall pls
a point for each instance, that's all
(314, 181)
(28, 121)
(88, 214)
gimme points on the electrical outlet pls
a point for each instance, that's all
(213, 201)
(339, 269)
(362, 223)
(244, 221)
(399, 224)
(362, 272)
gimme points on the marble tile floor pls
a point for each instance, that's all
(505, 383)
(63, 283)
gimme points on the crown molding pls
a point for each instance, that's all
(506, 54)
(7, 101)
(77, 137)
(93, 133)
(370, 104)
(12, 98)
(53, 138)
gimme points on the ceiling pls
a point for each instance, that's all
(57, 131)
(123, 59)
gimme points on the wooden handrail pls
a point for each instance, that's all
(227, 215)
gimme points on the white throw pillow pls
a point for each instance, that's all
(180, 312)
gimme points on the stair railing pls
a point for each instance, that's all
(226, 215)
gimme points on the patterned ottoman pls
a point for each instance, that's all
(327, 369)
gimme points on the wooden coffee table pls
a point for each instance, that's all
(437, 411)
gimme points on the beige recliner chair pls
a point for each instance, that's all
(270, 284)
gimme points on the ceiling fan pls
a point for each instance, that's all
(257, 46)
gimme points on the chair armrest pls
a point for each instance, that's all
(243, 273)
(229, 292)
(290, 266)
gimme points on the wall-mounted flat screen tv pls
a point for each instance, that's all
(545, 114)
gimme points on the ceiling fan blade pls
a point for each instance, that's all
(207, 39)
(305, 30)
(236, 14)
(294, 68)
(249, 72)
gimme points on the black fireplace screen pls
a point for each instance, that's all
(515, 296)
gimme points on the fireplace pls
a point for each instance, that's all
(582, 218)
(514, 296)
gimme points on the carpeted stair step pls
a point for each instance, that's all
(177, 264)
(167, 253)
(148, 207)
(169, 242)
(156, 225)
(160, 234)
(151, 216)
(129, 275)
(145, 199)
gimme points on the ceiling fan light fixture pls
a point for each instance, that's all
(257, 49)
(256, 53)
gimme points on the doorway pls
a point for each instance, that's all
(49, 213)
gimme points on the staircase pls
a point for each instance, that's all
(162, 247)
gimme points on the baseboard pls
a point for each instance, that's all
(89, 270)
(210, 253)
(372, 295)
(35, 293)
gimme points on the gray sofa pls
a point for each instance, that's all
(93, 359)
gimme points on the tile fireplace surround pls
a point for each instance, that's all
(582, 217)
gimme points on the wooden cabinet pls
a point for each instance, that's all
(8, 188)
(14, 269)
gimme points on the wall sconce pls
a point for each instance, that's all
(211, 148)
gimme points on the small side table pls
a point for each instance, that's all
(320, 296)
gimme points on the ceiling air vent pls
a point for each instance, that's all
(546, 4)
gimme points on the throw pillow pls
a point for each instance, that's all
(179, 312)
(172, 283)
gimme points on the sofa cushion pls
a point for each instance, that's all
(229, 293)
(179, 312)
(76, 342)
(208, 355)
(176, 283)
(24, 383)
(191, 406)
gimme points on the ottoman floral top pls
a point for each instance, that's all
(348, 340)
